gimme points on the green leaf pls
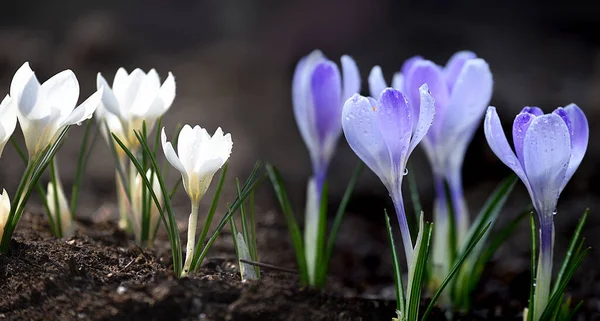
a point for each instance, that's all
(339, 216)
(454, 270)
(251, 183)
(293, 228)
(417, 269)
(168, 220)
(400, 298)
(213, 208)
(570, 251)
(82, 161)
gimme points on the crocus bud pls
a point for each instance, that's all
(318, 93)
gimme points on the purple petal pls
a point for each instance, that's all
(426, 72)
(579, 140)
(455, 65)
(469, 99)
(326, 85)
(546, 154)
(376, 82)
(536, 111)
(302, 98)
(563, 114)
(520, 125)
(426, 116)
(395, 124)
(360, 121)
(350, 76)
(499, 145)
(408, 63)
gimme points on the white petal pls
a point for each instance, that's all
(121, 79)
(170, 153)
(127, 90)
(146, 95)
(109, 100)
(85, 110)
(8, 121)
(165, 98)
(24, 90)
(62, 92)
(376, 82)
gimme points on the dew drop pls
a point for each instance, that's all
(405, 172)
(79, 123)
(554, 212)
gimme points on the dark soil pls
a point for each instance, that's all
(100, 274)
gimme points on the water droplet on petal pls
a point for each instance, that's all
(405, 172)
(554, 212)
(79, 123)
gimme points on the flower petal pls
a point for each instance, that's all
(326, 88)
(121, 78)
(24, 90)
(146, 94)
(8, 121)
(471, 96)
(520, 126)
(361, 128)
(398, 81)
(376, 82)
(426, 72)
(546, 154)
(126, 90)
(395, 123)
(85, 110)
(499, 145)
(109, 100)
(188, 144)
(62, 92)
(350, 77)
(455, 65)
(536, 111)
(579, 140)
(302, 98)
(409, 63)
(165, 98)
(426, 116)
(170, 153)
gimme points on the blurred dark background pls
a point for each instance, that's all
(233, 61)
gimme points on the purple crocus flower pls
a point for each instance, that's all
(318, 93)
(383, 134)
(462, 90)
(549, 148)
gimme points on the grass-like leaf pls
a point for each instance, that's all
(417, 269)
(400, 297)
(82, 161)
(293, 228)
(339, 216)
(213, 207)
(251, 182)
(415, 199)
(455, 269)
(168, 219)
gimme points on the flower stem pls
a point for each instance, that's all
(404, 230)
(191, 239)
(543, 278)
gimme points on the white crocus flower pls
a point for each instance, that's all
(8, 121)
(137, 206)
(64, 212)
(135, 98)
(4, 210)
(45, 109)
(200, 157)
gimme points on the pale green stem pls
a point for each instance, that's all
(543, 277)
(191, 239)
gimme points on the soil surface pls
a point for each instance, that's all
(101, 274)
